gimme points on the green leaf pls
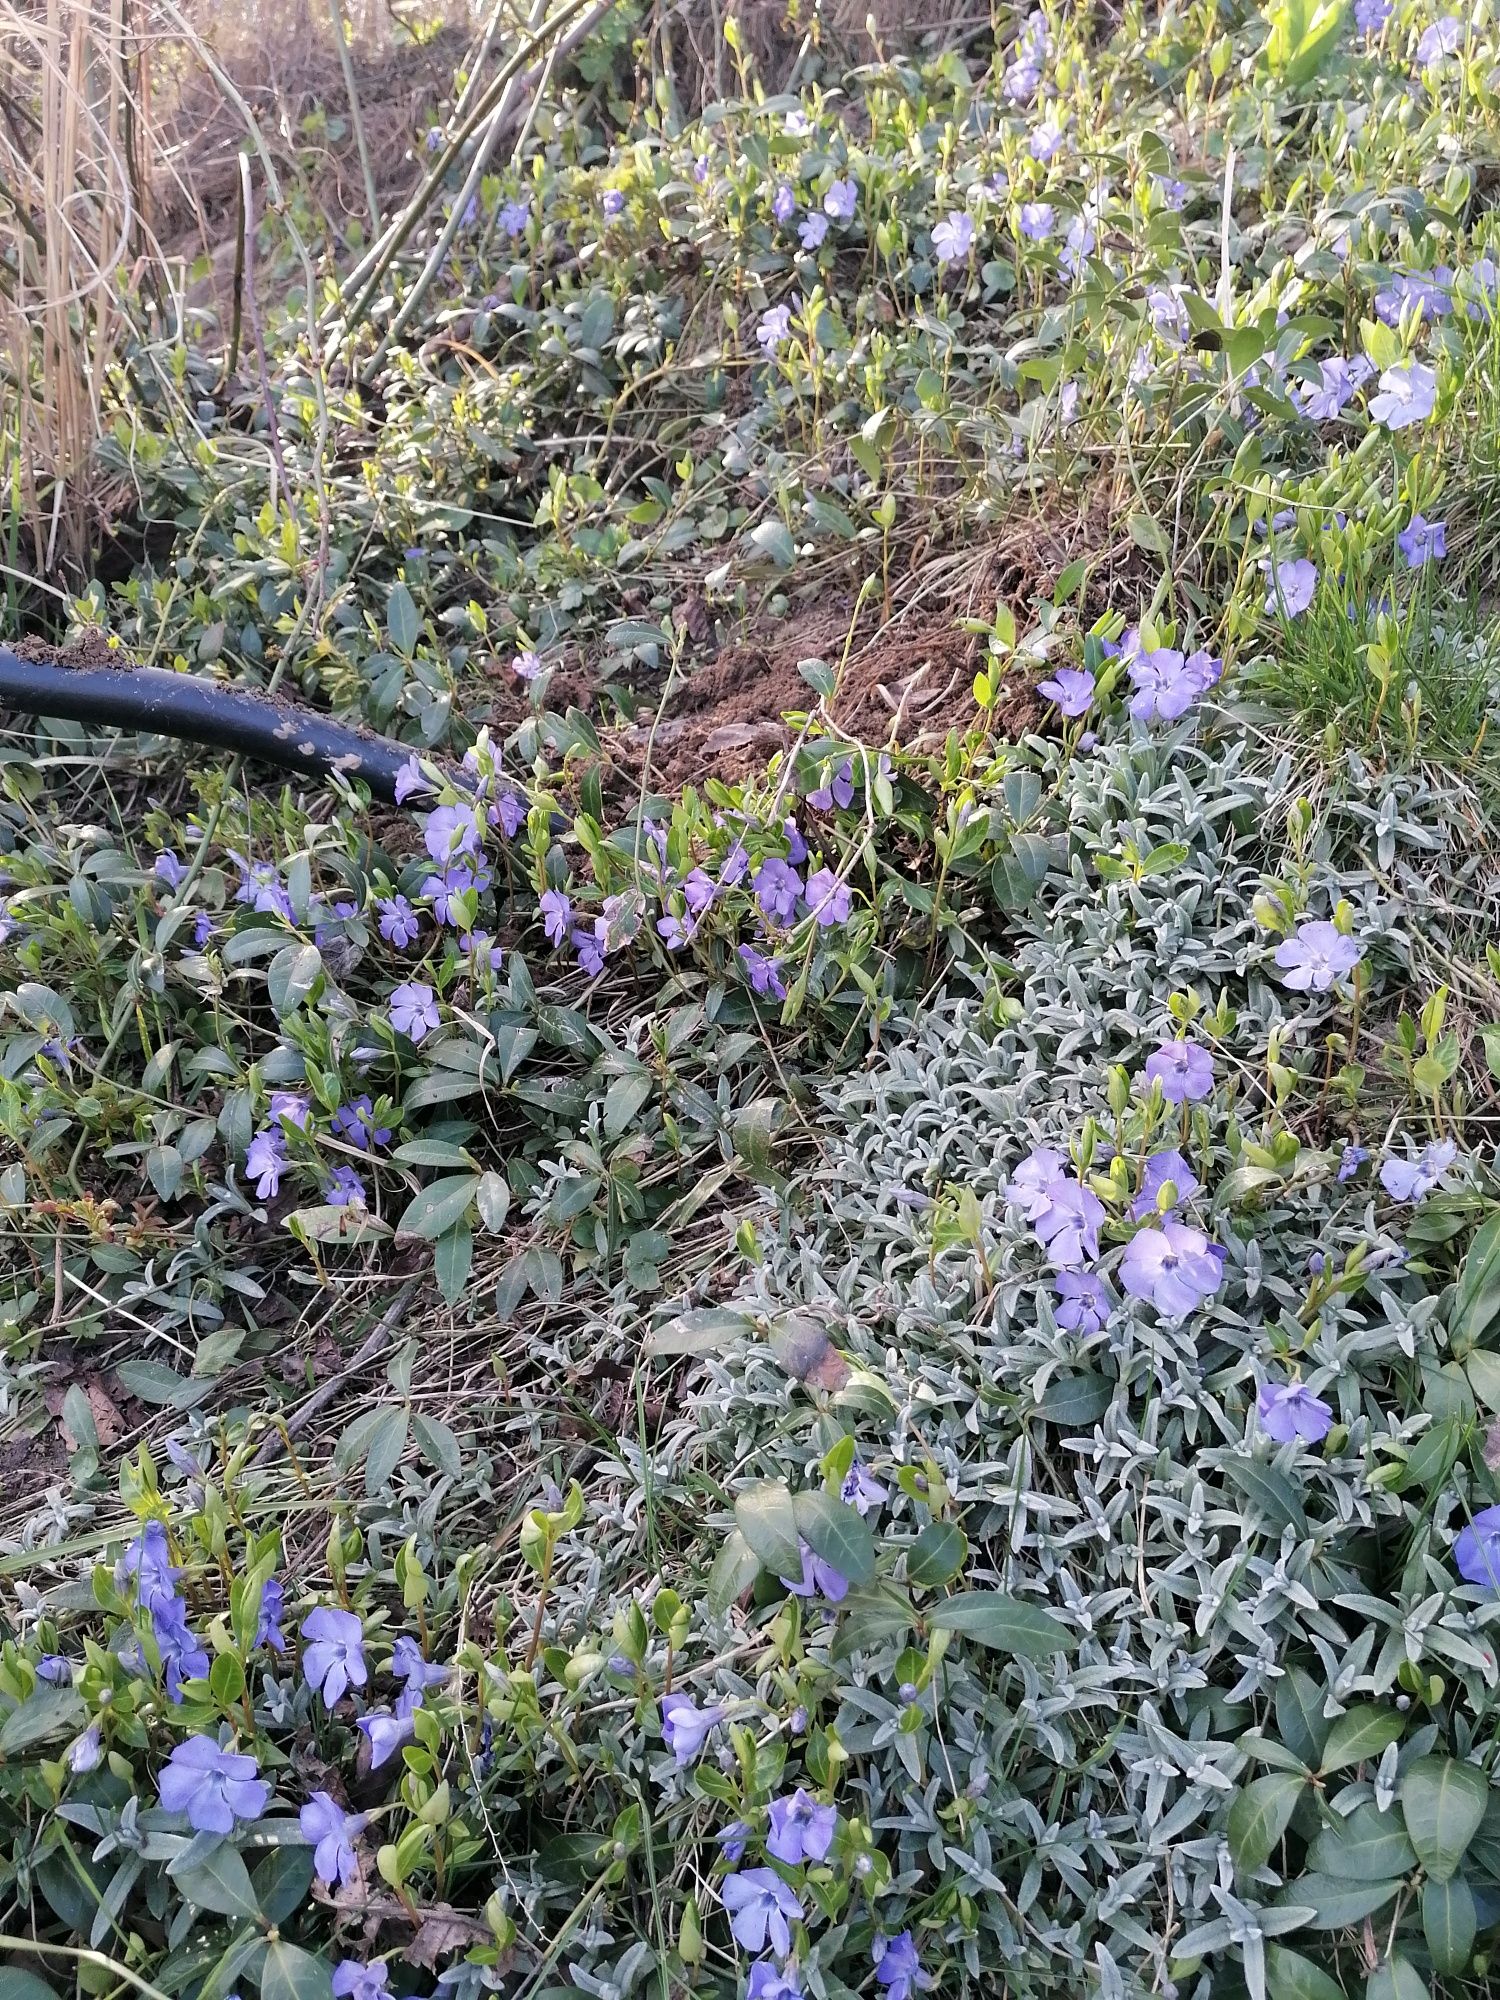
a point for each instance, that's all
(1008, 1624)
(623, 1100)
(1299, 1716)
(452, 1260)
(937, 1555)
(1075, 1401)
(870, 1618)
(290, 1973)
(1303, 33)
(220, 1882)
(766, 1517)
(836, 1533)
(1368, 1846)
(1358, 1734)
(282, 1881)
(436, 1207)
(701, 1330)
(1444, 1802)
(1397, 1979)
(1146, 533)
(735, 1568)
(16, 1984)
(1269, 1489)
(387, 1441)
(1259, 1817)
(437, 1443)
(292, 975)
(1449, 1921)
(774, 540)
(1335, 1901)
(1290, 1976)
(403, 623)
(46, 1714)
(1476, 1297)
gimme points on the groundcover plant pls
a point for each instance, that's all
(828, 1321)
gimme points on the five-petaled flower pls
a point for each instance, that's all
(212, 1786)
(333, 1658)
(1318, 956)
(1413, 1179)
(953, 238)
(761, 1906)
(333, 1833)
(1423, 541)
(1172, 1267)
(414, 1010)
(1288, 1410)
(801, 1829)
(898, 1968)
(1407, 396)
(1477, 1549)
(1184, 1071)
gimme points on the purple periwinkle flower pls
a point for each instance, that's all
(1287, 1410)
(408, 1665)
(760, 1906)
(213, 1787)
(1423, 541)
(818, 1578)
(356, 1123)
(333, 1659)
(1172, 193)
(354, 1981)
(1406, 397)
(272, 1610)
(387, 1731)
(1045, 141)
(410, 779)
(1163, 1170)
(1072, 688)
(697, 891)
(953, 237)
(763, 972)
(265, 1161)
(1370, 16)
(527, 664)
(184, 1657)
(774, 327)
(1166, 683)
(86, 1752)
(732, 1840)
(612, 201)
(589, 945)
(828, 899)
(1037, 220)
(1293, 585)
(686, 1727)
(399, 921)
(1184, 1071)
(1169, 315)
(333, 1833)
(1351, 1160)
(557, 915)
(1171, 1267)
(784, 202)
(897, 1967)
(814, 229)
(514, 216)
(450, 831)
(1413, 1179)
(801, 1829)
(168, 869)
(56, 1668)
(861, 1490)
(837, 789)
(414, 1010)
(770, 1981)
(1084, 1304)
(1443, 38)
(1317, 957)
(345, 1189)
(841, 200)
(777, 887)
(148, 1561)
(1335, 385)
(1476, 1549)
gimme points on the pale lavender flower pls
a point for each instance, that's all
(818, 1578)
(168, 869)
(697, 891)
(784, 203)
(411, 778)
(770, 1981)
(1085, 1304)
(353, 1981)
(1423, 541)
(686, 1727)
(333, 1659)
(557, 914)
(399, 921)
(760, 1904)
(1184, 1071)
(414, 1010)
(345, 1189)
(1168, 315)
(449, 832)
(732, 1840)
(1406, 397)
(801, 1829)
(1045, 140)
(837, 789)
(1443, 38)
(814, 229)
(1078, 245)
(1173, 1268)
(332, 1833)
(514, 216)
(388, 1731)
(589, 946)
(214, 1787)
(265, 1162)
(356, 1123)
(1351, 1160)
(1293, 585)
(1288, 1410)
(841, 200)
(861, 1490)
(1414, 1179)
(1317, 957)
(1370, 16)
(1173, 193)
(828, 899)
(777, 887)
(409, 1667)
(612, 201)
(86, 1752)
(527, 664)
(1162, 1170)
(953, 238)
(1072, 688)
(774, 327)
(268, 1630)
(1334, 387)
(1476, 1549)
(897, 1967)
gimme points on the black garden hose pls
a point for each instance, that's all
(164, 704)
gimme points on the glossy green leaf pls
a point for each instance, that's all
(937, 1555)
(1290, 1976)
(1449, 1922)
(1008, 1624)
(835, 1532)
(1443, 1802)
(766, 1517)
(1259, 1817)
(1359, 1734)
